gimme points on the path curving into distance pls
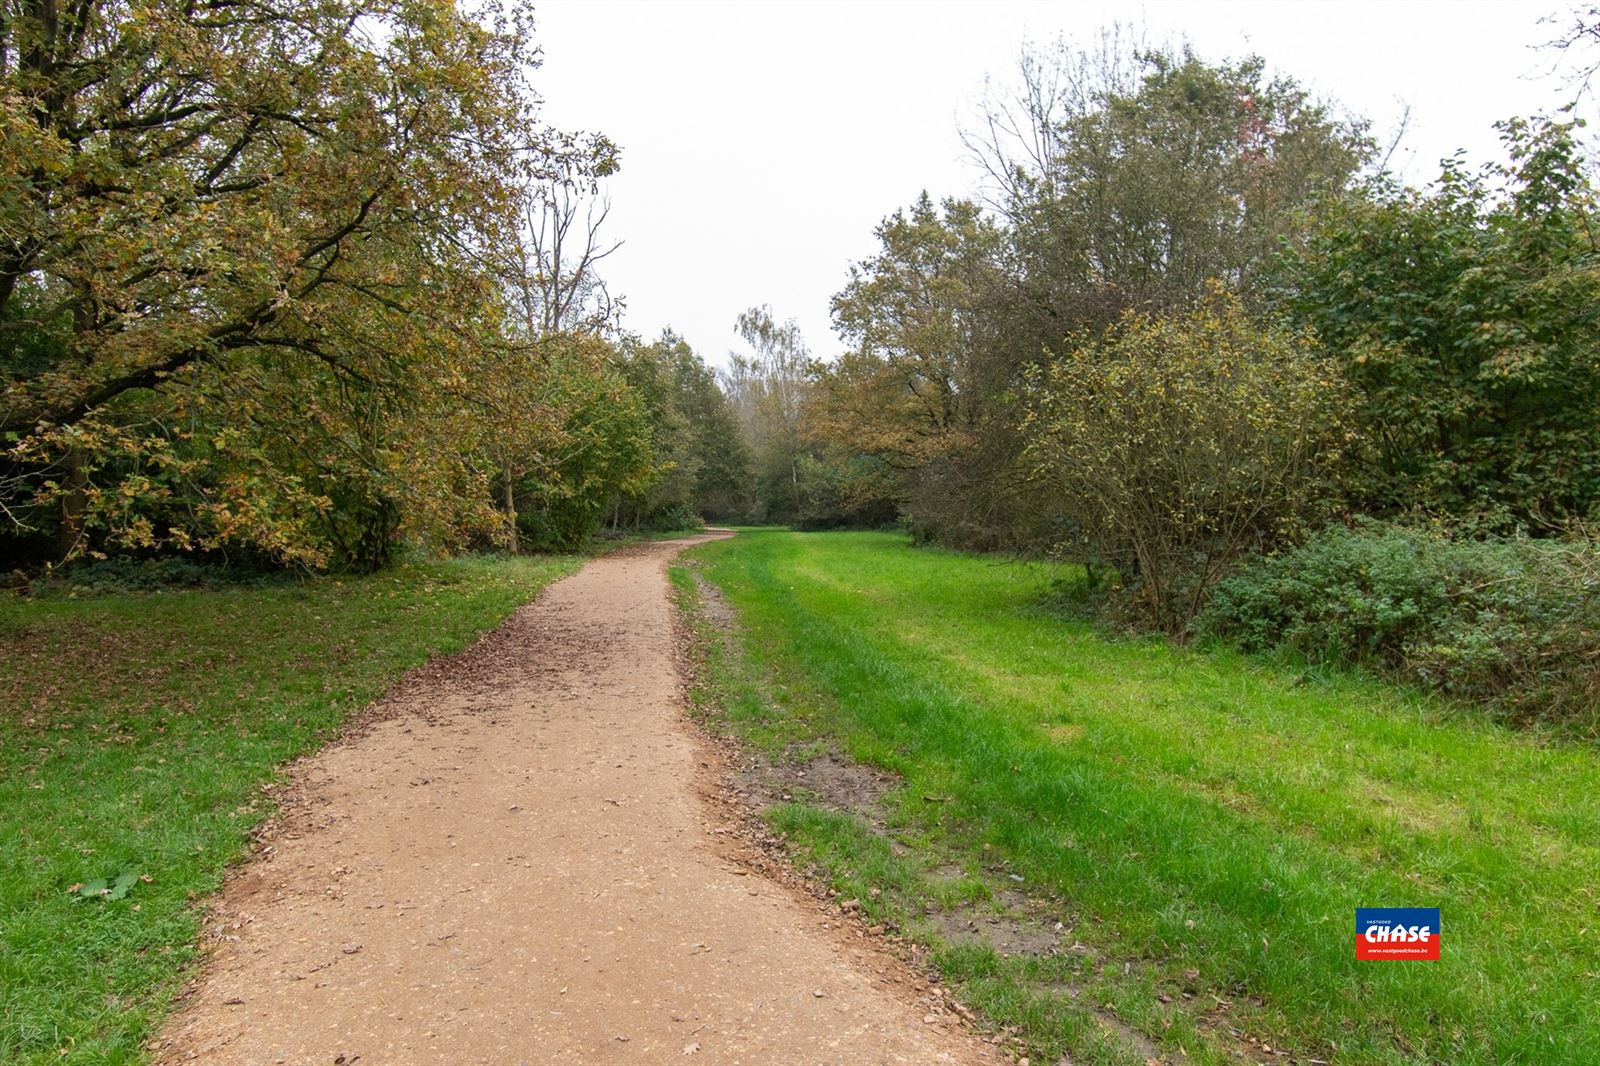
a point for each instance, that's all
(511, 863)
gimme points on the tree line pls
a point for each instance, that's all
(305, 284)
(1196, 322)
(1176, 251)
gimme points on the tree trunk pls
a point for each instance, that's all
(508, 486)
(72, 505)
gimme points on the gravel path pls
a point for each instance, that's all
(512, 861)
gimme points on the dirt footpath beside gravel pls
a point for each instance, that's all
(510, 864)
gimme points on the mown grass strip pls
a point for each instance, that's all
(1212, 821)
(136, 735)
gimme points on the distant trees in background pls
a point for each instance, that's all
(922, 385)
(768, 387)
(695, 430)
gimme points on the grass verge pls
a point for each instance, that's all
(138, 735)
(1195, 828)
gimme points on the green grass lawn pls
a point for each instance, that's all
(1205, 823)
(136, 735)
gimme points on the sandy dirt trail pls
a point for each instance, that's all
(511, 863)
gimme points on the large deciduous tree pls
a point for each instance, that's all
(1133, 177)
(231, 230)
(920, 387)
(913, 317)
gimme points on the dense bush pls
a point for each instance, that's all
(122, 574)
(1173, 445)
(1466, 317)
(1512, 622)
(841, 489)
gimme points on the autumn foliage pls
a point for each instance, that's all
(278, 280)
(1171, 446)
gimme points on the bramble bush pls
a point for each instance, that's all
(1511, 623)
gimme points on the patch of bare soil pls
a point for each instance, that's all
(1015, 926)
(525, 854)
(713, 605)
(826, 780)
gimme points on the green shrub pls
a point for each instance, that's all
(1466, 318)
(843, 489)
(667, 518)
(671, 519)
(121, 574)
(1173, 445)
(1513, 623)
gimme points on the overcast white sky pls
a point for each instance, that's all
(763, 141)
